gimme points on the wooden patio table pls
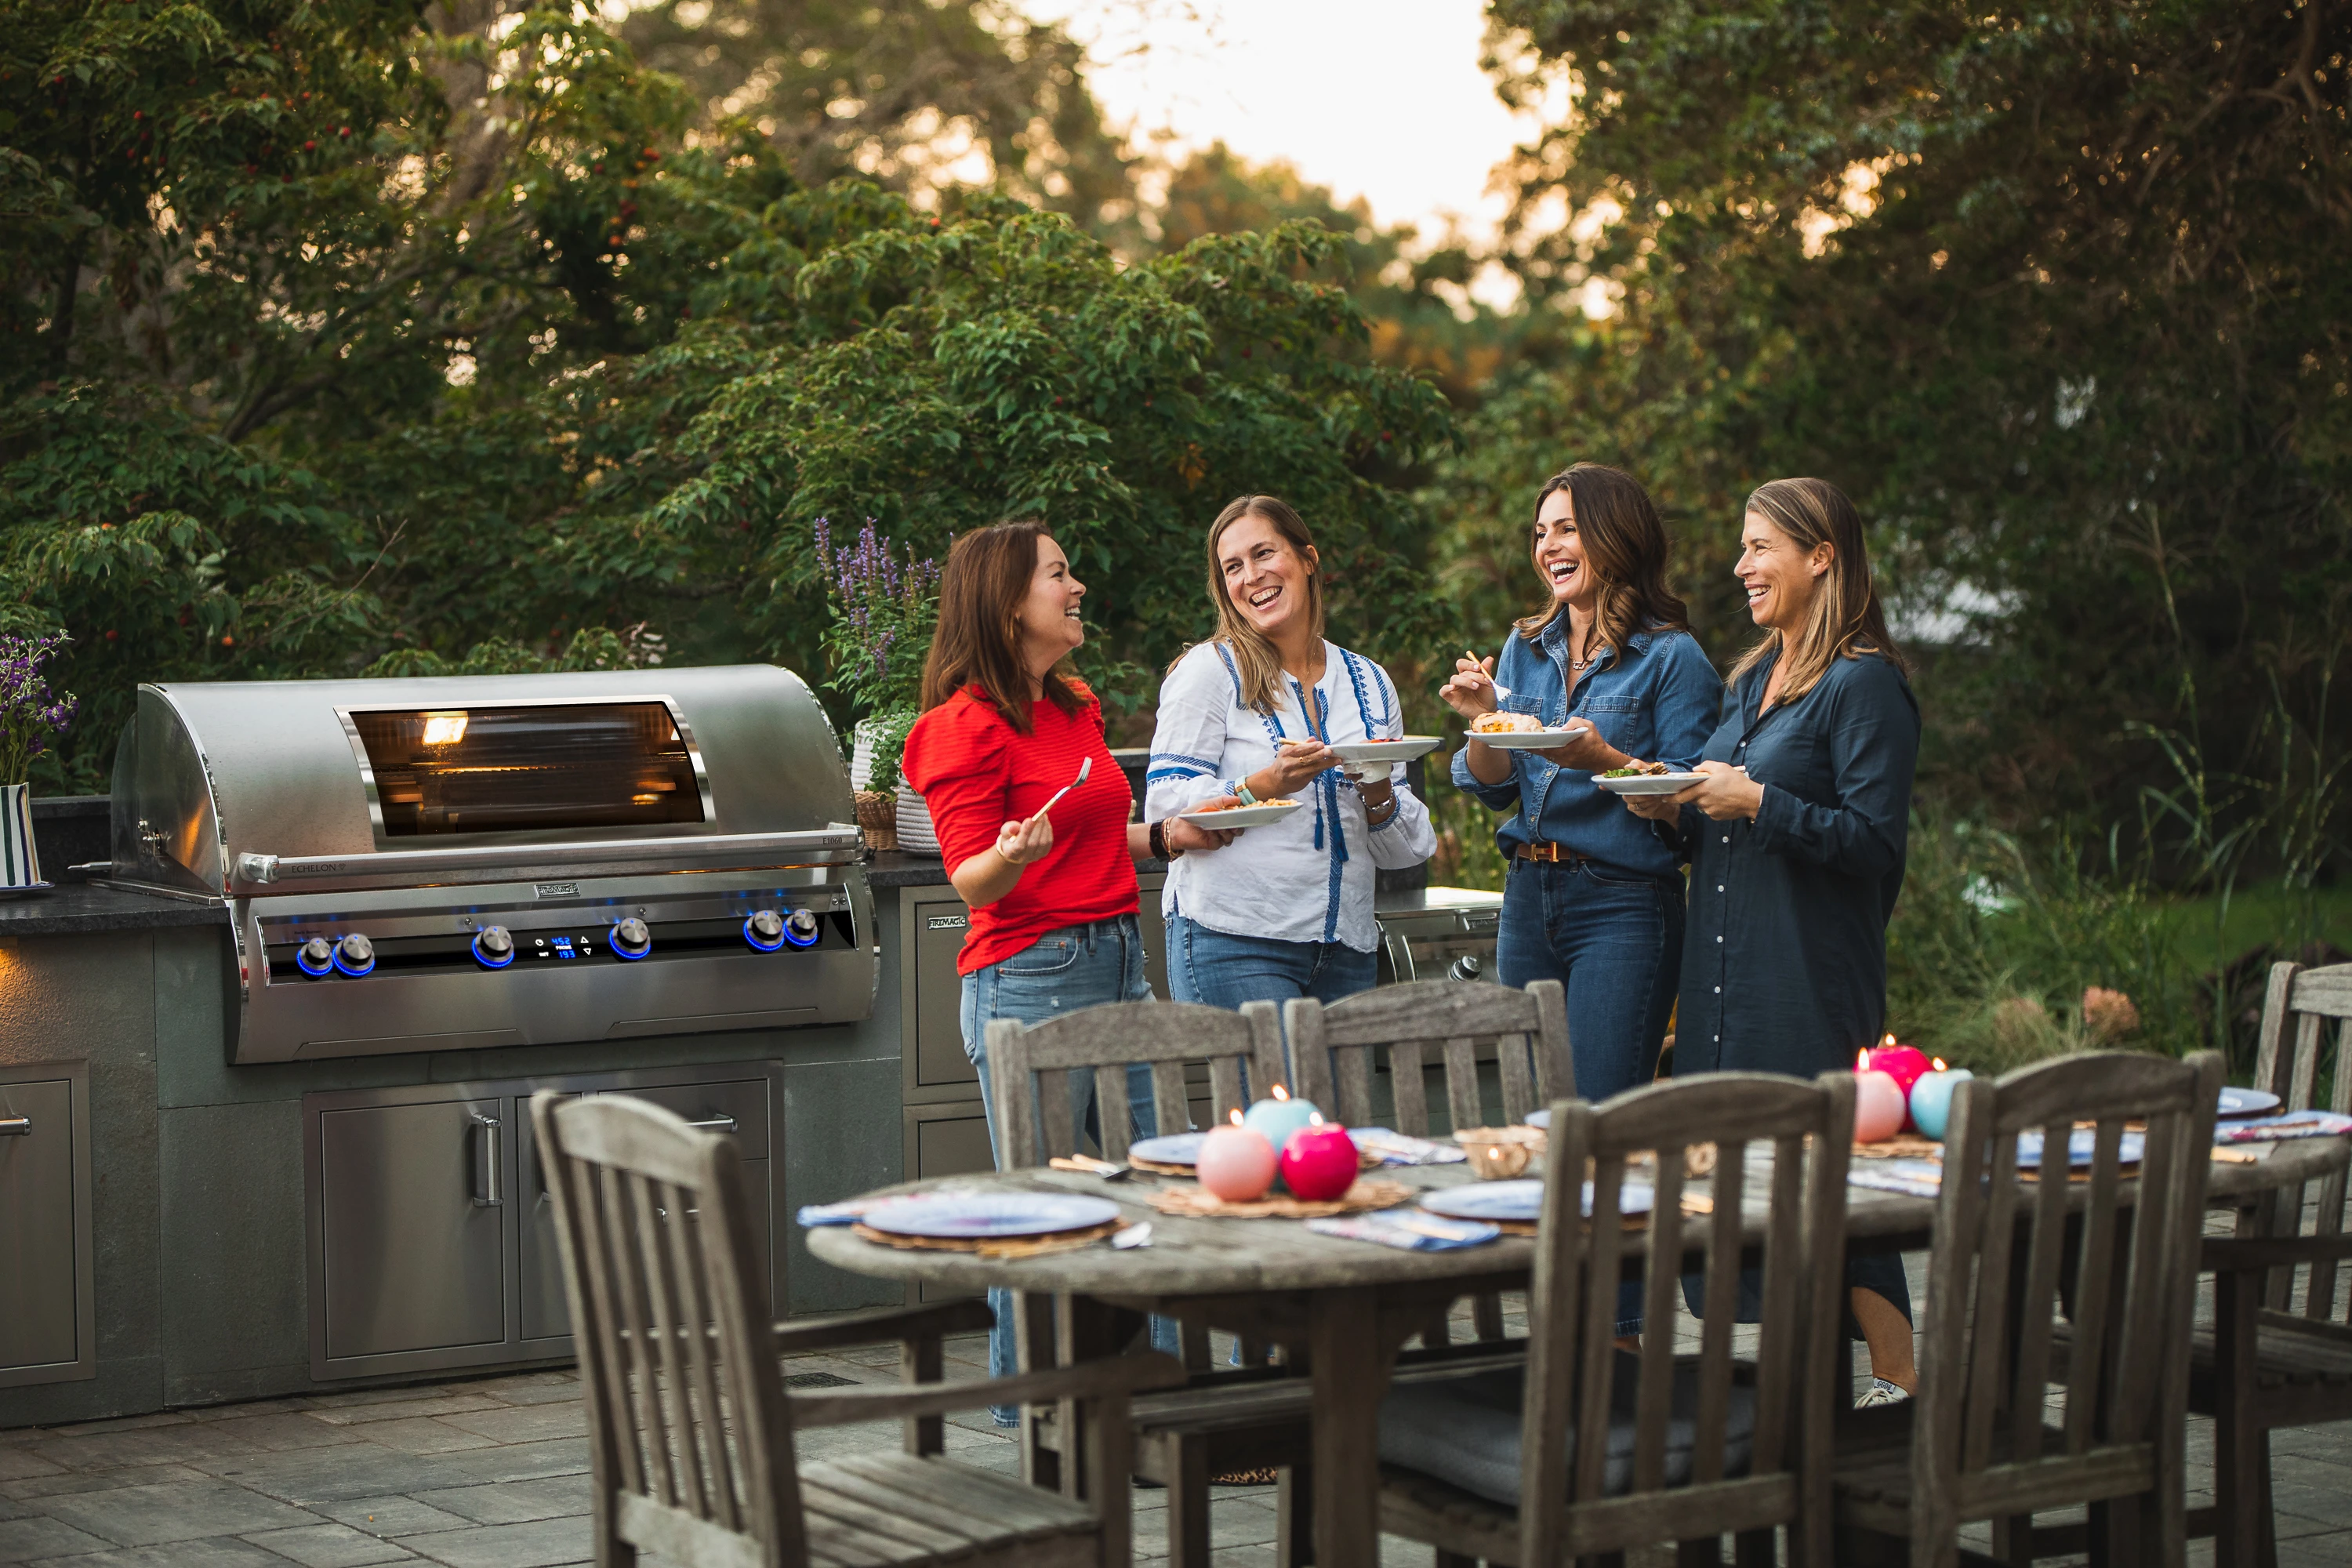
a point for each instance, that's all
(1351, 1305)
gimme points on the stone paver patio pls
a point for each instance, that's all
(492, 1473)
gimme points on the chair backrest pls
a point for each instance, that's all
(2117, 1255)
(1332, 1049)
(689, 1430)
(1567, 1507)
(1037, 1059)
(2298, 1011)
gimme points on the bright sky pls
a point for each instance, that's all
(1382, 98)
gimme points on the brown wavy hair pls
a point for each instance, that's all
(1625, 546)
(1259, 664)
(977, 643)
(1846, 619)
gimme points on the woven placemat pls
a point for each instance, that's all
(1535, 1137)
(1159, 1167)
(1902, 1146)
(1202, 1204)
(1015, 1247)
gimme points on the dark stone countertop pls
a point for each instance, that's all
(76, 907)
(896, 868)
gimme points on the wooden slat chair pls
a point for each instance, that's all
(1332, 1047)
(1594, 1451)
(1979, 1441)
(2270, 1361)
(690, 1431)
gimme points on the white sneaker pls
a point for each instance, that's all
(1881, 1393)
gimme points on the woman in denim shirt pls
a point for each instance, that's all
(1593, 899)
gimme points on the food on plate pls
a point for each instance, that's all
(1232, 803)
(1504, 723)
(1638, 770)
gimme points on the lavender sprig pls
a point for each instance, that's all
(883, 609)
(31, 715)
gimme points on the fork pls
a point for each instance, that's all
(1086, 767)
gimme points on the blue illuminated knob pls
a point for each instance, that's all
(316, 958)
(799, 929)
(632, 939)
(493, 948)
(764, 930)
(355, 955)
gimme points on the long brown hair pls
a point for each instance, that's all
(1625, 546)
(1259, 663)
(977, 643)
(1845, 619)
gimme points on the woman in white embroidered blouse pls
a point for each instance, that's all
(1286, 909)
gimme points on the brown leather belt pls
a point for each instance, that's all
(1550, 854)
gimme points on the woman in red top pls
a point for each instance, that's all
(1005, 725)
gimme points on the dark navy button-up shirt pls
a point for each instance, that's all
(1784, 954)
(1657, 704)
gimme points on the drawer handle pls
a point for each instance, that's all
(714, 1124)
(486, 1162)
(15, 1126)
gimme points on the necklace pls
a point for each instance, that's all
(1592, 653)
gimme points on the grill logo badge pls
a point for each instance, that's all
(554, 889)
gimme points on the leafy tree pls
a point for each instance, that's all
(2057, 294)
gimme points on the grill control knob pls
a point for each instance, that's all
(1466, 967)
(493, 948)
(316, 958)
(631, 939)
(799, 929)
(764, 930)
(355, 954)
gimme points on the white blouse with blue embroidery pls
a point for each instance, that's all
(1308, 877)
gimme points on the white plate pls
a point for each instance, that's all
(981, 1215)
(1540, 1118)
(1403, 749)
(1523, 1200)
(1528, 740)
(2248, 1102)
(1649, 784)
(1243, 815)
(1170, 1149)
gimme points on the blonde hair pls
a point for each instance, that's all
(1256, 658)
(1845, 619)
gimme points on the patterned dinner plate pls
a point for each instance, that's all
(1523, 1200)
(987, 1215)
(2080, 1143)
(1175, 1149)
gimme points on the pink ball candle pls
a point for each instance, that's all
(1318, 1163)
(1235, 1164)
(1879, 1107)
(1906, 1065)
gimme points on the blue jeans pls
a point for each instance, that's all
(1616, 942)
(1066, 969)
(1226, 971)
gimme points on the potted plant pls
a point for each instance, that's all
(31, 716)
(883, 612)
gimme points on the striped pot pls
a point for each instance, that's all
(20, 864)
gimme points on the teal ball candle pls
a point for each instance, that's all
(1276, 1120)
(1931, 1100)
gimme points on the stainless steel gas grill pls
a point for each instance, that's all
(506, 860)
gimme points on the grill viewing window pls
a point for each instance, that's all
(532, 768)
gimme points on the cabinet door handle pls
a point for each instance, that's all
(22, 1126)
(714, 1124)
(486, 1162)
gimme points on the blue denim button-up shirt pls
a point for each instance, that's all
(1658, 704)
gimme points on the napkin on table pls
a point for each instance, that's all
(2293, 1124)
(1418, 1233)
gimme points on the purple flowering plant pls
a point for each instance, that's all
(31, 716)
(883, 609)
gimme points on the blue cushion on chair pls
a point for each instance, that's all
(1465, 1430)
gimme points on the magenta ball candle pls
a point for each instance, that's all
(1235, 1164)
(1879, 1107)
(1318, 1163)
(1276, 1119)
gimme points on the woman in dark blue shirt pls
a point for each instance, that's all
(1797, 837)
(1594, 899)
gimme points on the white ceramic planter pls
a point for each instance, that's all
(915, 832)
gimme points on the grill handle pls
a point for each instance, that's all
(486, 1162)
(522, 862)
(22, 1126)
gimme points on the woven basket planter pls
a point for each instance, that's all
(877, 818)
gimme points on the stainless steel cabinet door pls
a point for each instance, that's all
(413, 1204)
(37, 1272)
